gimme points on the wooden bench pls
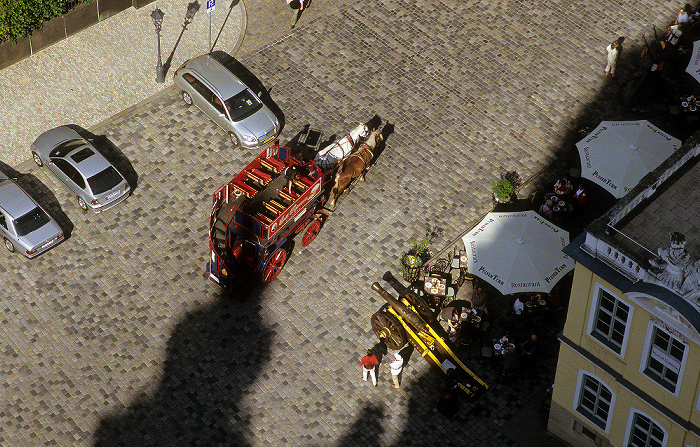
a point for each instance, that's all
(263, 218)
(287, 195)
(258, 176)
(272, 164)
(271, 208)
(246, 188)
(278, 205)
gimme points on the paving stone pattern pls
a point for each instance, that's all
(114, 337)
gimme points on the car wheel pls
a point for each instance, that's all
(37, 159)
(10, 247)
(82, 204)
(234, 138)
(187, 98)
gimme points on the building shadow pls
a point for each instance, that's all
(196, 401)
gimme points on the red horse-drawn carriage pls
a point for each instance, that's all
(256, 216)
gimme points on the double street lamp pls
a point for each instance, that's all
(157, 16)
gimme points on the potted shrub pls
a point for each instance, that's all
(412, 261)
(504, 188)
(502, 191)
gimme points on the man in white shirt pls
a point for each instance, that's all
(518, 306)
(396, 368)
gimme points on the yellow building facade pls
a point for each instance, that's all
(628, 372)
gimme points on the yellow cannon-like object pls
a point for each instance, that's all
(409, 319)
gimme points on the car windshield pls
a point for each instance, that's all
(104, 181)
(31, 221)
(66, 147)
(242, 105)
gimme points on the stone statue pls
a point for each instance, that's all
(691, 286)
(673, 262)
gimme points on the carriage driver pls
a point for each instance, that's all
(291, 173)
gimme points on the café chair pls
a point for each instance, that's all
(510, 366)
(487, 352)
(484, 325)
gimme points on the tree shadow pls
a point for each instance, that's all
(112, 153)
(195, 402)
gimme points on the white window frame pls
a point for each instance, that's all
(630, 420)
(592, 319)
(577, 398)
(646, 353)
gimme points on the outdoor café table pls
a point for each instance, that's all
(561, 204)
(690, 104)
(535, 304)
(502, 347)
(435, 284)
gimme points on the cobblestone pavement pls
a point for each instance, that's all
(114, 337)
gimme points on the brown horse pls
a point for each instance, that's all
(355, 165)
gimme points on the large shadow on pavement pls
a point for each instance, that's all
(196, 400)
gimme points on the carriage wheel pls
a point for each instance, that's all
(387, 326)
(310, 232)
(273, 265)
(420, 304)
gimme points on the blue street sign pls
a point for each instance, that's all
(211, 4)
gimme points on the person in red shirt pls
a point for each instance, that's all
(369, 366)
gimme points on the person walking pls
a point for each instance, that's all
(613, 50)
(396, 368)
(369, 365)
(297, 7)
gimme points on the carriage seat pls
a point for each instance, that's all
(258, 176)
(272, 164)
(303, 182)
(263, 218)
(247, 189)
(288, 195)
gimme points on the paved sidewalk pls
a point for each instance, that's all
(104, 70)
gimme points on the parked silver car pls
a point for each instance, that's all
(24, 225)
(86, 173)
(230, 103)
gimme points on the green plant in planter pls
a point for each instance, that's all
(502, 190)
(412, 261)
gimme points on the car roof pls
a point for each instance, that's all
(14, 200)
(91, 165)
(220, 78)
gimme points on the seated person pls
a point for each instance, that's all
(291, 173)
(683, 14)
(562, 187)
(478, 299)
(454, 323)
(674, 33)
(546, 209)
(518, 305)
(530, 347)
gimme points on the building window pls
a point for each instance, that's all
(644, 432)
(665, 359)
(609, 324)
(594, 400)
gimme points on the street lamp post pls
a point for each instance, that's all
(157, 16)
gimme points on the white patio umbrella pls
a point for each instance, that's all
(617, 154)
(518, 252)
(694, 65)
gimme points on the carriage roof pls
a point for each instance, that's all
(257, 204)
